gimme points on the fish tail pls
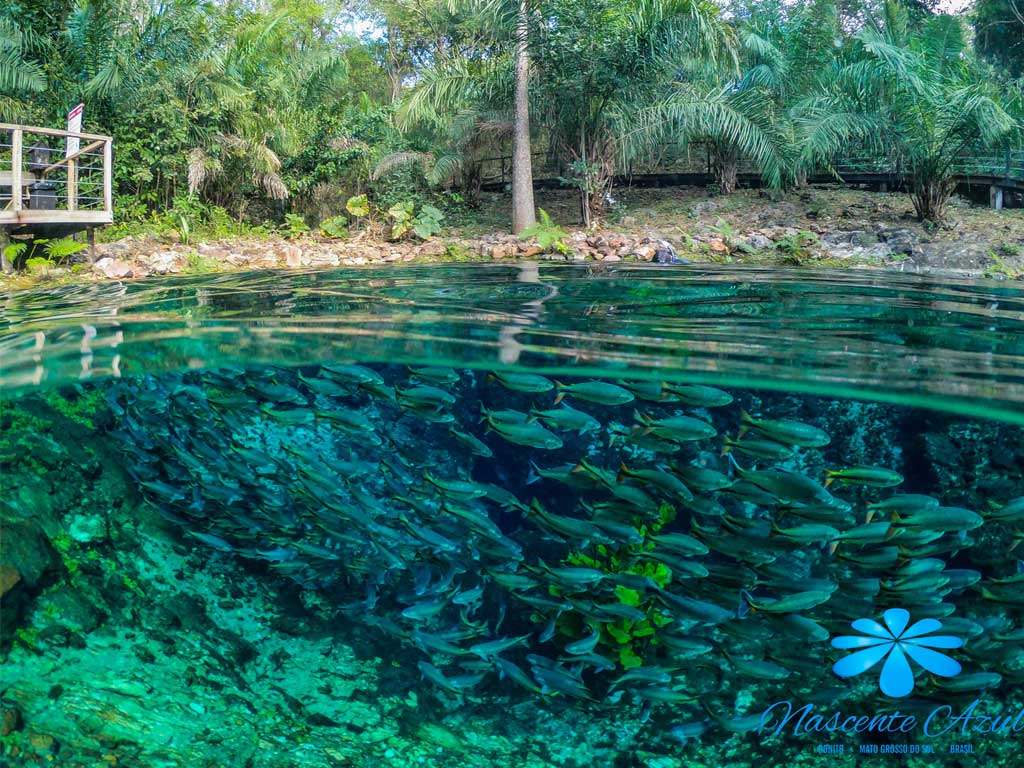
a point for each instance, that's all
(491, 377)
(623, 472)
(745, 417)
(483, 413)
(736, 464)
(869, 516)
(833, 546)
(830, 477)
(559, 397)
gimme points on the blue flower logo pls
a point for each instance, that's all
(895, 642)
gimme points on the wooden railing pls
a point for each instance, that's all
(41, 183)
(1005, 164)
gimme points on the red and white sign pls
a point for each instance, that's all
(74, 126)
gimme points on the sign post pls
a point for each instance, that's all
(74, 126)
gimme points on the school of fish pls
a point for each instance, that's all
(598, 541)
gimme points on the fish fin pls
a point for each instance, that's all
(833, 546)
(748, 600)
(623, 472)
(559, 397)
(1014, 545)
(491, 377)
(828, 481)
(869, 516)
(533, 474)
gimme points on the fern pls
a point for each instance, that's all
(58, 250)
(549, 235)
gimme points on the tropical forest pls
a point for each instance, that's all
(404, 120)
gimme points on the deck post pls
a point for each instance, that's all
(16, 190)
(995, 197)
(72, 185)
(90, 234)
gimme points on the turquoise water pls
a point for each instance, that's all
(476, 515)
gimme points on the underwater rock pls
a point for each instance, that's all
(9, 576)
(10, 720)
(25, 548)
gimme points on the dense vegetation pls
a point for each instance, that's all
(262, 109)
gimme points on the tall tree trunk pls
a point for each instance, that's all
(394, 68)
(523, 214)
(726, 168)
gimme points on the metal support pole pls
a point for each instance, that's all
(995, 197)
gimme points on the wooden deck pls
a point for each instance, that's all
(47, 192)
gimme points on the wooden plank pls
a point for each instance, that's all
(53, 132)
(16, 187)
(66, 160)
(28, 216)
(27, 178)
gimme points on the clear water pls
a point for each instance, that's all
(339, 519)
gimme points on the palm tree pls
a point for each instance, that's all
(20, 73)
(491, 79)
(602, 64)
(523, 213)
(912, 94)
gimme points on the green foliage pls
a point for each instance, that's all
(428, 222)
(798, 246)
(184, 229)
(79, 405)
(999, 269)
(549, 236)
(424, 225)
(335, 226)
(13, 250)
(39, 264)
(294, 226)
(999, 26)
(358, 206)
(402, 217)
(197, 264)
(58, 250)
(629, 640)
(912, 92)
